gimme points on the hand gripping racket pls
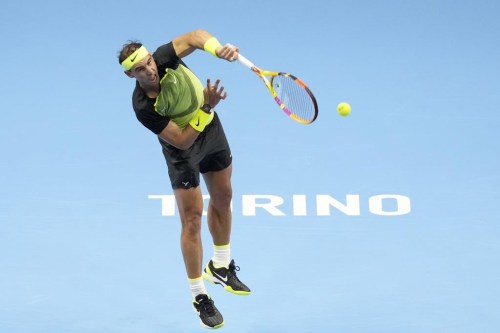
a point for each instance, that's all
(291, 93)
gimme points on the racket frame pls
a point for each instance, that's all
(263, 74)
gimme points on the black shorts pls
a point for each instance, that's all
(210, 152)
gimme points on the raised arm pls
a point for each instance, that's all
(203, 40)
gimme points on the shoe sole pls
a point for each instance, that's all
(202, 324)
(210, 327)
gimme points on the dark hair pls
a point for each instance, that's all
(128, 49)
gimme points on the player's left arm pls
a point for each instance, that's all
(185, 44)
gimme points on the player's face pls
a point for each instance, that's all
(146, 71)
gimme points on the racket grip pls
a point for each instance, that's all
(245, 61)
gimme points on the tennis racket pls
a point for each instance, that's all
(290, 93)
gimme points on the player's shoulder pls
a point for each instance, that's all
(144, 108)
(140, 101)
(165, 56)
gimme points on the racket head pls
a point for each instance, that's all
(294, 97)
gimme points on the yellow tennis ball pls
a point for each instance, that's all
(344, 109)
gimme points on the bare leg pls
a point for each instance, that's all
(219, 223)
(190, 205)
(219, 208)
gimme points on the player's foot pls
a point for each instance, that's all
(209, 315)
(226, 277)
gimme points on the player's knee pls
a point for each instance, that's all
(221, 199)
(191, 223)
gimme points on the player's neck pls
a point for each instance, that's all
(152, 91)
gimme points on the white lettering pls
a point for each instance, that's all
(206, 198)
(382, 204)
(402, 204)
(299, 205)
(250, 204)
(167, 204)
(323, 203)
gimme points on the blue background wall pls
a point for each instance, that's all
(83, 248)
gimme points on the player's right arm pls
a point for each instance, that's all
(185, 44)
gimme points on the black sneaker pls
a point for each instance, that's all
(209, 315)
(226, 277)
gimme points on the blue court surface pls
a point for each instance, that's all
(385, 221)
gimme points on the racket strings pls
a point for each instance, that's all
(295, 97)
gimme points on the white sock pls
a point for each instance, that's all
(222, 255)
(197, 287)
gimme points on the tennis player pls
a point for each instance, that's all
(170, 100)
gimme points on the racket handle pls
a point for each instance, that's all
(245, 61)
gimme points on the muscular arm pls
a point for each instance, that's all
(185, 45)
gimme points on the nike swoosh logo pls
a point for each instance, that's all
(198, 122)
(133, 59)
(222, 278)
